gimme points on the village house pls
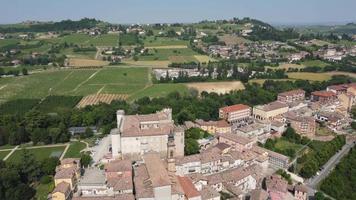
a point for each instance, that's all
(138, 134)
(303, 125)
(257, 131)
(235, 113)
(214, 127)
(300, 192)
(291, 96)
(277, 187)
(238, 143)
(324, 97)
(65, 178)
(270, 111)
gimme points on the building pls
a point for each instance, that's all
(300, 192)
(291, 96)
(324, 97)
(238, 143)
(258, 131)
(138, 134)
(275, 159)
(117, 197)
(303, 125)
(190, 192)
(235, 113)
(93, 184)
(65, 179)
(259, 194)
(214, 127)
(62, 192)
(277, 187)
(271, 111)
(153, 181)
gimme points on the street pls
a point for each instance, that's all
(313, 182)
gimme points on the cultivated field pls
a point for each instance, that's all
(217, 87)
(166, 54)
(182, 59)
(309, 76)
(261, 81)
(353, 75)
(78, 62)
(151, 42)
(233, 40)
(153, 64)
(203, 58)
(100, 98)
(125, 81)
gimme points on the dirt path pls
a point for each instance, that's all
(82, 83)
(2, 87)
(12, 151)
(64, 152)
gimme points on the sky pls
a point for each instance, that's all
(169, 11)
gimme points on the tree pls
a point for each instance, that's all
(85, 160)
(28, 167)
(24, 71)
(191, 147)
(48, 165)
(353, 125)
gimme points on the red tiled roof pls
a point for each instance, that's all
(188, 187)
(234, 108)
(323, 93)
(292, 92)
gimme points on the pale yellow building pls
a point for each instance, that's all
(62, 191)
(271, 111)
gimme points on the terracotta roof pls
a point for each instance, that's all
(235, 108)
(323, 94)
(272, 106)
(156, 170)
(258, 194)
(65, 173)
(301, 188)
(292, 92)
(121, 183)
(117, 197)
(62, 187)
(70, 161)
(208, 193)
(118, 166)
(236, 138)
(276, 183)
(189, 189)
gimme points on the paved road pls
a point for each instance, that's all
(313, 182)
(100, 150)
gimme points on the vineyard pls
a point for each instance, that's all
(58, 104)
(18, 106)
(100, 98)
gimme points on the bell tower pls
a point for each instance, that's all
(171, 153)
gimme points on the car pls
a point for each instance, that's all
(318, 173)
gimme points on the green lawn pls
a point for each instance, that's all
(74, 150)
(284, 144)
(7, 146)
(6, 42)
(3, 154)
(42, 190)
(39, 153)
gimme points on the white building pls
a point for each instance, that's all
(138, 134)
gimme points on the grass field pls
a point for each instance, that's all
(284, 144)
(3, 154)
(74, 150)
(309, 76)
(86, 40)
(7, 42)
(163, 41)
(123, 80)
(203, 58)
(39, 153)
(353, 75)
(312, 63)
(166, 54)
(217, 87)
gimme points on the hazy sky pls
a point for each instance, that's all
(150, 11)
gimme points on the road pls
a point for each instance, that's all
(313, 182)
(100, 150)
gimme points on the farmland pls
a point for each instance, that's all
(309, 76)
(83, 39)
(163, 41)
(166, 54)
(217, 87)
(80, 62)
(100, 98)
